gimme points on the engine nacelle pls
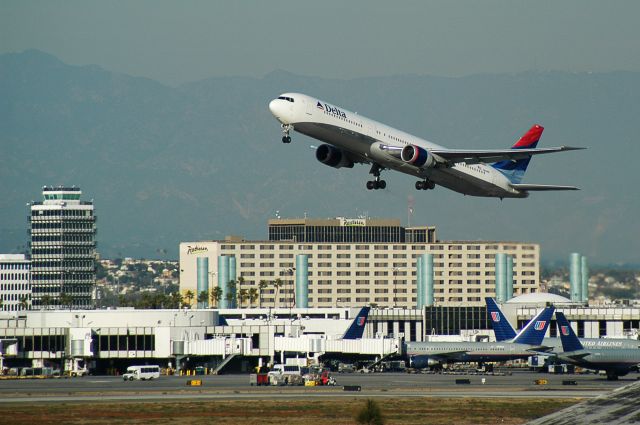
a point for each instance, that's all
(422, 362)
(415, 155)
(333, 157)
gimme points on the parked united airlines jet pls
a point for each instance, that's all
(351, 138)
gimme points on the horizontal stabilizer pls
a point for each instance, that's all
(541, 349)
(577, 357)
(541, 187)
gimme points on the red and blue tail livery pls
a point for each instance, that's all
(514, 169)
(356, 329)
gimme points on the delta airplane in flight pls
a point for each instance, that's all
(351, 138)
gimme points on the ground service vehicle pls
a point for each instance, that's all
(142, 373)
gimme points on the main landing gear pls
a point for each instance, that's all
(286, 128)
(425, 185)
(376, 183)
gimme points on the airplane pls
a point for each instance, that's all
(351, 138)
(356, 329)
(504, 332)
(523, 345)
(615, 362)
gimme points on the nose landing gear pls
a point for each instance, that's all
(425, 185)
(286, 128)
(376, 183)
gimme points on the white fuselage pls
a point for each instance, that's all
(366, 139)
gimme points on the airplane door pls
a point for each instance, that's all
(309, 107)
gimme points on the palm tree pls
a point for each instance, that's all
(45, 301)
(66, 300)
(243, 295)
(278, 283)
(240, 281)
(253, 296)
(189, 297)
(175, 300)
(216, 296)
(262, 285)
(203, 297)
(24, 302)
(230, 296)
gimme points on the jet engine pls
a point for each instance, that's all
(420, 157)
(422, 362)
(333, 157)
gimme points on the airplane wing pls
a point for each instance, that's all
(453, 156)
(541, 187)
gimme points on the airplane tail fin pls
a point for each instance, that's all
(501, 327)
(356, 329)
(570, 341)
(533, 333)
(514, 170)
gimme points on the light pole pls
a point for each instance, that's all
(395, 272)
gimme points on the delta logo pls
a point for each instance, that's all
(360, 321)
(331, 109)
(495, 316)
(539, 325)
(564, 330)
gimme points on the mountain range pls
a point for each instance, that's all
(204, 160)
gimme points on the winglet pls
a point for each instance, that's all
(569, 339)
(356, 329)
(501, 326)
(533, 333)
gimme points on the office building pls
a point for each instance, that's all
(15, 289)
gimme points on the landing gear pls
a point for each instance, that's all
(376, 183)
(425, 185)
(286, 128)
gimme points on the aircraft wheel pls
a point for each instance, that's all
(382, 184)
(286, 139)
(431, 185)
(370, 185)
(419, 185)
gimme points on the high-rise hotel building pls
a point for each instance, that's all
(63, 249)
(356, 262)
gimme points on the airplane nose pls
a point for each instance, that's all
(278, 109)
(273, 107)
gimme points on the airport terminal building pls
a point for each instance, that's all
(356, 262)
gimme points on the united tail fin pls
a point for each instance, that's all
(533, 333)
(501, 326)
(356, 329)
(514, 169)
(568, 337)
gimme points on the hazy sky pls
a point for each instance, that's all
(176, 42)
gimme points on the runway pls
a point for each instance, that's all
(108, 388)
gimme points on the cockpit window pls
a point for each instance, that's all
(288, 99)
